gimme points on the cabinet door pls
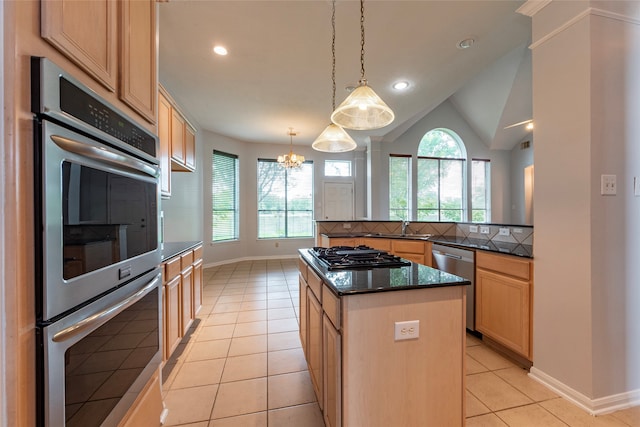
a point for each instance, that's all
(85, 32)
(304, 315)
(332, 371)
(177, 137)
(377, 243)
(503, 310)
(345, 241)
(196, 290)
(171, 316)
(190, 147)
(185, 306)
(138, 53)
(164, 135)
(314, 345)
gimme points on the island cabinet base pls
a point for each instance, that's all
(415, 382)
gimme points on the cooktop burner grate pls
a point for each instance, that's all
(348, 257)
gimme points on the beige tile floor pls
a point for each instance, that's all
(241, 365)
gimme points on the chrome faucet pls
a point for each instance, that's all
(405, 225)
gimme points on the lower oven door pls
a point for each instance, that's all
(94, 362)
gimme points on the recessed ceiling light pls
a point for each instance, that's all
(401, 85)
(220, 50)
(466, 43)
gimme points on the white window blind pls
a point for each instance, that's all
(224, 187)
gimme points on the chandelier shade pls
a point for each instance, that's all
(334, 139)
(362, 110)
(291, 160)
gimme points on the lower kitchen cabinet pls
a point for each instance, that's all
(417, 251)
(332, 362)
(314, 344)
(181, 297)
(504, 289)
(303, 312)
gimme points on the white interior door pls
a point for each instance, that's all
(338, 201)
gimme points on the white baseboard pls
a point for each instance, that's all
(250, 258)
(599, 406)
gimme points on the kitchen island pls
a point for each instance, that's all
(350, 322)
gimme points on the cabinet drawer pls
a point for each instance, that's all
(302, 266)
(186, 259)
(171, 269)
(331, 306)
(315, 284)
(407, 246)
(376, 243)
(197, 253)
(505, 264)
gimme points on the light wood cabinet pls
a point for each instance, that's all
(164, 135)
(171, 320)
(91, 33)
(504, 300)
(377, 243)
(197, 288)
(332, 364)
(314, 344)
(138, 57)
(181, 136)
(413, 250)
(182, 296)
(303, 312)
(344, 241)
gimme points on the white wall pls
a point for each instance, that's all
(446, 116)
(585, 88)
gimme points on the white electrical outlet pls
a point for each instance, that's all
(473, 229)
(636, 186)
(608, 185)
(346, 225)
(503, 231)
(484, 230)
(407, 330)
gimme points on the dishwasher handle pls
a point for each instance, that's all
(448, 255)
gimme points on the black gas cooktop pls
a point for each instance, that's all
(359, 257)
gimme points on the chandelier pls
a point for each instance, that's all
(363, 109)
(334, 139)
(291, 160)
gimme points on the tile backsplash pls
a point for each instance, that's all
(500, 233)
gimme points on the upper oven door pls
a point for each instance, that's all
(99, 215)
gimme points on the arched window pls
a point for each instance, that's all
(441, 177)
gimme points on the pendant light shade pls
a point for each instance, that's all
(334, 139)
(363, 109)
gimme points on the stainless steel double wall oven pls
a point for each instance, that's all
(98, 301)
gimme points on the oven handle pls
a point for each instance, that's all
(104, 155)
(99, 319)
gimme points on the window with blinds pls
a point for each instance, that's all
(224, 187)
(285, 200)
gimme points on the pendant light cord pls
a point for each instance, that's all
(362, 38)
(333, 53)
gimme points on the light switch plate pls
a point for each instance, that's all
(636, 186)
(407, 330)
(503, 231)
(484, 230)
(346, 225)
(608, 185)
(473, 229)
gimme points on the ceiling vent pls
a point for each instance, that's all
(524, 145)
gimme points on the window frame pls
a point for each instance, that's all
(487, 191)
(236, 197)
(407, 210)
(440, 210)
(287, 210)
(329, 161)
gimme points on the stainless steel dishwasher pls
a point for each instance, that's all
(461, 263)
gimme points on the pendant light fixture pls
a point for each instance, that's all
(291, 160)
(333, 138)
(363, 109)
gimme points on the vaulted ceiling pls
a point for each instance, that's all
(278, 71)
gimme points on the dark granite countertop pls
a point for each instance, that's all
(171, 249)
(507, 248)
(358, 281)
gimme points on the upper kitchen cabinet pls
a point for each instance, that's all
(181, 135)
(91, 33)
